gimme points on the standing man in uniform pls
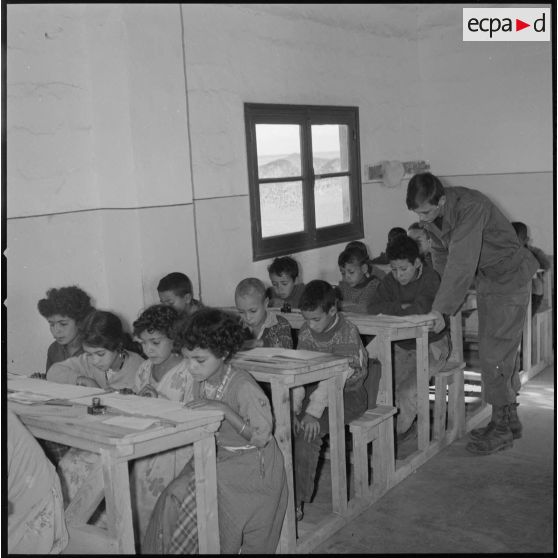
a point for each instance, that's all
(473, 240)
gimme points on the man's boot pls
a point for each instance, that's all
(515, 425)
(499, 437)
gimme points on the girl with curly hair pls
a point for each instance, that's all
(251, 481)
(164, 374)
(64, 309)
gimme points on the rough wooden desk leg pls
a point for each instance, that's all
(526, 340)
(385, 391)
(440, 409)
(423, 405)
(119, 505)
(87, 498)
(206, 495)
(337, 445)
(282, 411)
(456, 397)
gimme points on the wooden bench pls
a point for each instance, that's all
(374, 427)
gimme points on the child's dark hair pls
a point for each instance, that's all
(403, 248)
(176, 282)
(318, 294)
(396, 232)
(158, 317)
(66, 301)
(104, 329)
(416, 226)
(355, 254)
(424, 187)
(284, 265)
(520, 231)
(213, 329)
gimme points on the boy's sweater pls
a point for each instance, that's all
(275, 332)
(419, 294)
(293, 299)
(342, 339)
(357, 298)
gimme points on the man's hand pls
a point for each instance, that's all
(311, 427)
(439, 322)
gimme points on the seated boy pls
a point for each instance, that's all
(263, 328)
(327, 331)
(410, 288)
(358, 285)
(393, 233)
(175, 289)
(64, 309)
(420, 236)
(285, 291)
(537, 285)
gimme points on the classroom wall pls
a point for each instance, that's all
(487, 117)
(126, 148)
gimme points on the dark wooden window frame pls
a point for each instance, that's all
(311, 237)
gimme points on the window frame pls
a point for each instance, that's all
(311, 237)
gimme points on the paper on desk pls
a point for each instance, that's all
(51, 389)
(135, 423)
(268, 353)
(28, 398)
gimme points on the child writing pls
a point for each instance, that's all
(285, 291)
(64, 310)
(358, 285)
(410, 288)
(106, 361)
(164, 374)
(175, 289)
(263, 328)
(327, 331)
(251, 481)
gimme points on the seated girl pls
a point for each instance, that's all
(106, 362)
(64, 309)
(251, 481)
(164, 374)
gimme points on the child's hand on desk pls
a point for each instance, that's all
(148, 391)
(38, 375)
(311, 427)
(86, 381)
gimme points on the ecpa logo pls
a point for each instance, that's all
(506, 24)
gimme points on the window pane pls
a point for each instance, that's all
(330, 148)
(281, 208)
(278, 149)
(333, 201)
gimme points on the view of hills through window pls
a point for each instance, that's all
(281, 202)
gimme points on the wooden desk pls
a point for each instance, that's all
(388, 329)
(283, 375)
(117, 445)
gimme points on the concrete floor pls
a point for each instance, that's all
(461, 503)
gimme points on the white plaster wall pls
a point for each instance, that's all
(96, 123)
(487, 117)
(258, 53)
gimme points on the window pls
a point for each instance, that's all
(304, 174)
